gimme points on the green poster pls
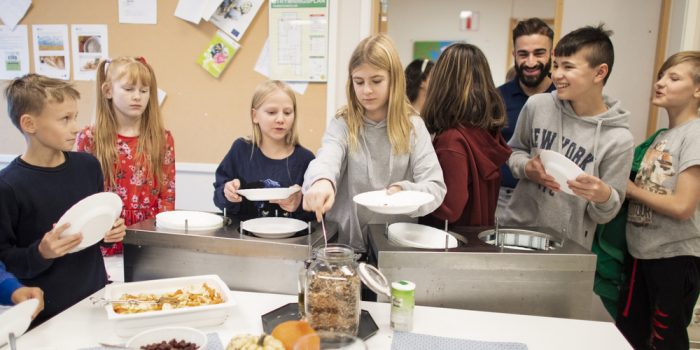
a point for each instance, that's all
(429, 49)
(218, 54)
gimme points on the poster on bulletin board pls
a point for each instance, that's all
(298, 37)
(234, 16)
(429, 49)
(218, 54)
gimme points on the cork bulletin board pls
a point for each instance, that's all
(204, 114)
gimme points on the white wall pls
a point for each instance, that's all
(691, 33)
(438, 20)
(635, 26)
(683, 34)
(350, 23)
(194, 189)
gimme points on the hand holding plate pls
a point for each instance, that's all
(590, 188)
(319, 198)
(393, 189)
(26, 293)
(534, 170)
(230, 191)
(291, 203)
(117, 233)
(53, 245)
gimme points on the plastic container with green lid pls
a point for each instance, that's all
(402, 303)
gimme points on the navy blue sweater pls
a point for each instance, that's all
(255, 170)
(32, 199)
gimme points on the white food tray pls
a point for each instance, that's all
(198, 316)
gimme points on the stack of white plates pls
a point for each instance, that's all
(196, 220)
(273, 227)
(419, 236)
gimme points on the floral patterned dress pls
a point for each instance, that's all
(143, 198)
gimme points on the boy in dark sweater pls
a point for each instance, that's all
(37, 187)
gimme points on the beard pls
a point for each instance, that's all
(531, 81)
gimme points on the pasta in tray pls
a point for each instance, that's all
(181, 298)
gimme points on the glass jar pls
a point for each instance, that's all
(333, 290)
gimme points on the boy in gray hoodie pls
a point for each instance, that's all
(590, 129)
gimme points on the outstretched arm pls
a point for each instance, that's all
(681, 204)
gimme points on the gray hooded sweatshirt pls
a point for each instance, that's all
(601, 145)
(373, 167)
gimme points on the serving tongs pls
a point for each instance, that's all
(105, 301)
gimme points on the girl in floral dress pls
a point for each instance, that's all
(136, 153)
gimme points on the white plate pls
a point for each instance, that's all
(274, 227)
(126, 325)
(268, 194)
(402, 202)
(420, 236)
(561, 168)
(16, 320)
(158, 335)
(93, 217)
(196, 220)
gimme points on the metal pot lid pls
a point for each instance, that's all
(374, 279)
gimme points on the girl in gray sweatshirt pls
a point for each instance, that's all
(372, 143)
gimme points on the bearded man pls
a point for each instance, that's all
(532, 55)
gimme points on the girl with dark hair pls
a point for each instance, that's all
(417, 79)
(465, 112)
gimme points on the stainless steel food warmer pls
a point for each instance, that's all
(531, 272)
(243, 261)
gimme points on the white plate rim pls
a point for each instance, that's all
(555, 162)
(95, 204)
(396, 237)
(133, 341)
(163, 217)
(297, 225)
(20, 314)
(268, 194)
(386, 208)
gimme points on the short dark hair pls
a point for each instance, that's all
(595, 39)
(532, 26)
(417, 72)
(30, 93)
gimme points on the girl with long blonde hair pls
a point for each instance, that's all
(372, 143)
(136, 152)
(273, 158)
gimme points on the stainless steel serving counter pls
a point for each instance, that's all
(479, 276)
(475, 275)
(244, 262)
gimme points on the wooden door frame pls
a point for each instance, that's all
(661, 43)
